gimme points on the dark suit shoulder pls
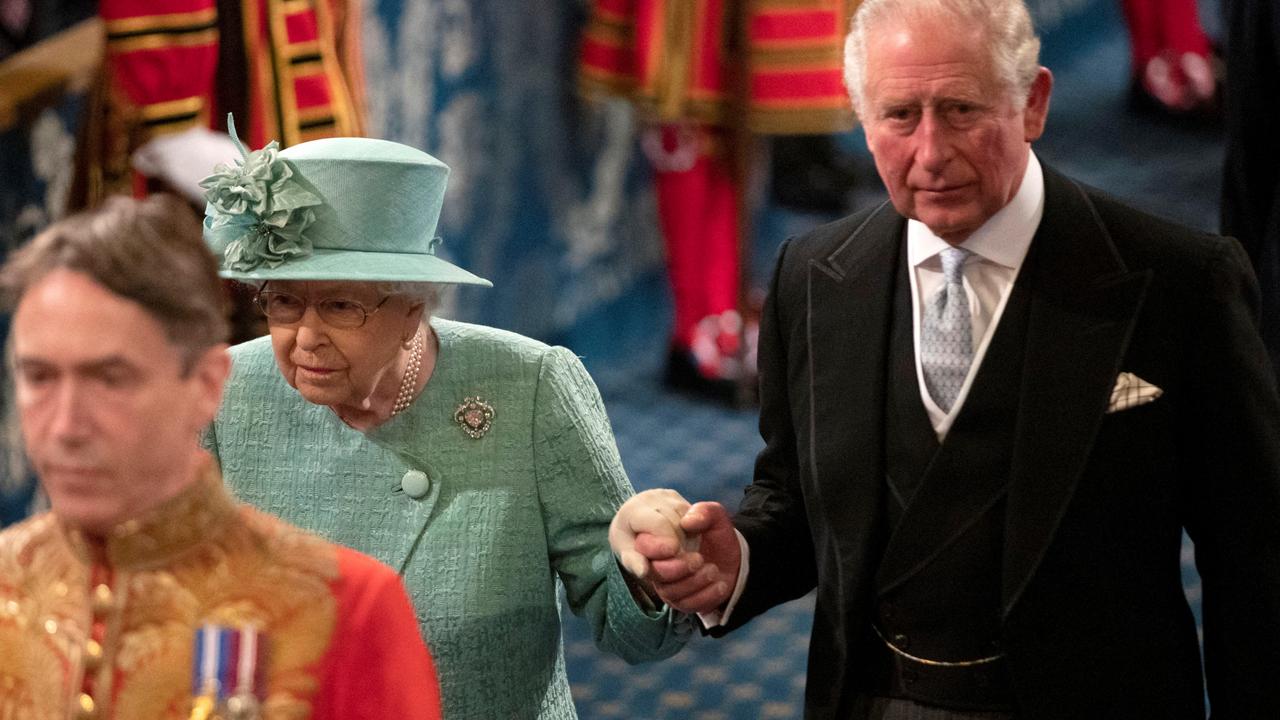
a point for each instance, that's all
(1188, 266)
(1145, 240)
(834, 237)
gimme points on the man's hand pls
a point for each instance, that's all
(689, 554)
(701, 579)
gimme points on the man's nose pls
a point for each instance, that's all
(71, 412)
(934, 147)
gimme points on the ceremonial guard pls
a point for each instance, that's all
(292, 68)
(704, 74)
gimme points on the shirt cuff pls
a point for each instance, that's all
(716, 618)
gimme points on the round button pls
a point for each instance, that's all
(92, 654)
(415, 484)
(102, 598)
(86, 707)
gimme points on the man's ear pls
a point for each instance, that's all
(209, 372)
(1037, 111)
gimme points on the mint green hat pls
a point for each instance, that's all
(332, 209)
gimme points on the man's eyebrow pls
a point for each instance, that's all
(109, 362)
(96, 365)
(28, 361)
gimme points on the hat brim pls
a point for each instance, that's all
(360, 266)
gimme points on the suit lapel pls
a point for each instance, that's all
(849, 300)
(1084, 303)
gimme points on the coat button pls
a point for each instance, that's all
(86, 708)
(103, 599)
(92, 654)
(415, 484)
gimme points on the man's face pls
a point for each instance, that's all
(109, 416)
(949, 142)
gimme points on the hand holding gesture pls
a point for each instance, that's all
(689, 554)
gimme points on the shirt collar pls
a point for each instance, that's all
(1004, 238)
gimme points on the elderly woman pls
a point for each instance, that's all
(478, 462)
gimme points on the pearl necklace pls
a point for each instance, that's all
(410, 380)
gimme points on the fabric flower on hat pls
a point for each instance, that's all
(257, 211)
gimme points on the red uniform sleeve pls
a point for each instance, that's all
(377, 666)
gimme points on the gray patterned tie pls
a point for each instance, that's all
(946, 333)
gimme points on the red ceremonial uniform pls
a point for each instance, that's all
(289, 69)
(1171, 54)
(107, 628)
(703, 71)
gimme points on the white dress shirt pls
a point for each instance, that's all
(998, 248)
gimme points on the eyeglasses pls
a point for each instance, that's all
(285, 308)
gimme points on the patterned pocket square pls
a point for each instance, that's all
(1131, 391)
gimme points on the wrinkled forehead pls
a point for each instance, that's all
(929, 54)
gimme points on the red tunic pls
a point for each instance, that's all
(705, 70)
(778, 62)
(107, 629)
(377, 629)
(296, 61)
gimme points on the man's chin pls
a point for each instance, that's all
(951, 227)
(91, 516)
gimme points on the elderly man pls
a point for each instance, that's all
(147, 592)
(990, 406)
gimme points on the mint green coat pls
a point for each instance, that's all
(505, 519)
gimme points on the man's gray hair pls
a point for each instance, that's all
(1009, 33)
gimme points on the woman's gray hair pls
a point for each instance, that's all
(424, 292)
(1008, 30)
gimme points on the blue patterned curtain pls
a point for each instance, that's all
(35, 163)
(548, 197)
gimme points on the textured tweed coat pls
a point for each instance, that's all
(504, 517)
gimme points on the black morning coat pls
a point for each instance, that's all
(1094, 620)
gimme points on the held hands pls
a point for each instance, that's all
(689, 554)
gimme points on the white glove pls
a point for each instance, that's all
(183, 159)
(655, 511)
